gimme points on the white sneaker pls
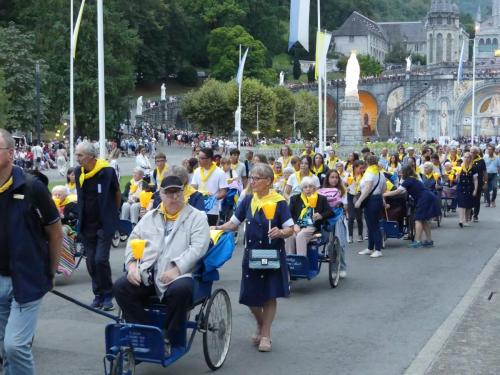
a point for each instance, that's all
(343, 274)
(366, 252)
(360, 239)
(376, 254)
(350, 240)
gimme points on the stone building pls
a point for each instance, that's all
(489, 34)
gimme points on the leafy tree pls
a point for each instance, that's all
(285, 106)
(397, 54)
(4, 101)
(297, 71)
(311, 74)
(209, 107)
(188, 76)
(368, 65)
(223, 54)
(306, 109)
(217, 13)
(18, 63)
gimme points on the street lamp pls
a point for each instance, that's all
(476, 29)
(257, 132)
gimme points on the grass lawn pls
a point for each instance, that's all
(123, 182)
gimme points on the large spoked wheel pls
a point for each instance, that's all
(444, 207)
(124, 363)
(334, 254)
(217, 328)
(115, 242)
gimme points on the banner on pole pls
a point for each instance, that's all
(323, 40)
(239, 76)
(460, 72)
(237, 119)
(77, 28)
(299, 23)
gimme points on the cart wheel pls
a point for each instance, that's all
(334, 254)
(115, 242)
(217, 328)
(445, 207)
(124, 363)
(439, 220)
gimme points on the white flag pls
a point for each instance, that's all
(299, 23)
(237, 119)
(239, 76)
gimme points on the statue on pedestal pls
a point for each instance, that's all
(352, 76)
(408, 63)
(163, 95)
(138, 110)
(282, 78)
(398, 125)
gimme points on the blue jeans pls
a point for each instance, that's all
(17, 327)
(492, 187)
(373, 208)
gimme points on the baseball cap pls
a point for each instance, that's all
(171, 182)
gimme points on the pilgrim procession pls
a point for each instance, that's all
(170, 172)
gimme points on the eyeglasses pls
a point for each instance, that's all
(255, 178)
(159, 160)
(202, 158)
(172, 194)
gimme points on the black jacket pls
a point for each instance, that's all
(322, 207)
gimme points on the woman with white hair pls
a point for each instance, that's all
(430, 179)
(309, 210)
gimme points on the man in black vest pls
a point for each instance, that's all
(99, 199)
(31, 241)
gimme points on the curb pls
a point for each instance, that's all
(431, 350)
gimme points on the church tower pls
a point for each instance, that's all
(496, 13)
(444, 32)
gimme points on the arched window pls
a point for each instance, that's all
(495, 42)
(488, 41)
(439, 48)
(448, 47)
(481, 41)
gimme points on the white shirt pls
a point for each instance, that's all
(239, 172)
(215, 182)
(295, 184)
(281, 159)
(367, 177)
(143, 163)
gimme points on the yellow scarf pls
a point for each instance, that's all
(373, 169)
(357, 181)
(159, 175)
(435, 176)
(311, 154)
(7, 185)
(401, 157)
(188, 191)
(318, 170)
(305, 200)
(204, 177)
(235, 166)
(257, 203)
(476, 160)
(134, 185)
(69, 199)
(100, 164)
(167, 216)
(145, 198)
(299, 177)
(285, 161)
(331, 162)
(466, 170)
(71, 185)
(276, 176)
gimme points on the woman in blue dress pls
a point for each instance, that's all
(467, 189)
(260, 288)
(426, 205)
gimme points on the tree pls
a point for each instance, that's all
(4, 102)
(306, 109)
(18, 63)
(285, 107)
(368, 65)
(223, 54)
(188, 76)
(209, 107)
(297, 71)
(311, 74)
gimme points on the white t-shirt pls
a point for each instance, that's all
(239, 172)
(367, 177)
(215, 182)
(295, 184)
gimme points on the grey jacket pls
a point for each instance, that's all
(184, 247)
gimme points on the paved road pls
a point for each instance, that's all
(375, 322)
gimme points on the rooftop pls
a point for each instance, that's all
(411, 32)
(357, 24)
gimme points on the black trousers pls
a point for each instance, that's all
(354, 214)
(477, 201)
(133, 299)
(212, 220)
(97, 254)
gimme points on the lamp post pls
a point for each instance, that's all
(257, 122)
(37, 93)
(294, 127)
(473, 125)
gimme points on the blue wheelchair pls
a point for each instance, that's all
(325, 247)
(130, 344)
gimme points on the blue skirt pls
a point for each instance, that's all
(259, 286)
(428, 206)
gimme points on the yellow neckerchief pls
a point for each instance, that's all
(349, 168)
(373, 169)
(134, 185)
(69, 199)
(215, 235)
(234, 166)
(308, 154)
(389, 185)
(318, 170)
(451, 175)
(433, 175)
(276, 176)
(387, 157)
(99, 164)
(342, 175)
(7, 185)
(145, 198)
(299, 178)
(71, 185)
(476, 160)
(188, 191)
(466, 170)
(305, 200)
(285, 161)
(204, 177)
(257, 203)
(357, 180)
(331, 162)
(159, 175)
(401, 157)
(167, 216)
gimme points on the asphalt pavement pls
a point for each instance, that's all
(376, 322)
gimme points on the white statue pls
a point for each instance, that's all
(282, 78)
(138, 110)
(352, 72)
(163, 95)
(398, 125)
(408, 63)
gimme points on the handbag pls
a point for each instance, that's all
(363, 204)
(264, 259)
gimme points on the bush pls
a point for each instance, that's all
(297, 72)
(188, 76)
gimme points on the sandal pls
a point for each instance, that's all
(255, 340)
(265, 344)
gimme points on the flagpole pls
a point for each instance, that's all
(239, 103)
(71, 94)
(100, 61)
(320, 91)
(324, 108)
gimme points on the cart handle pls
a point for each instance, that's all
(81, 304)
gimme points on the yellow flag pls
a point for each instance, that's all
(323, 40)
(77, 28)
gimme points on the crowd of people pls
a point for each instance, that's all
(173, 208)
